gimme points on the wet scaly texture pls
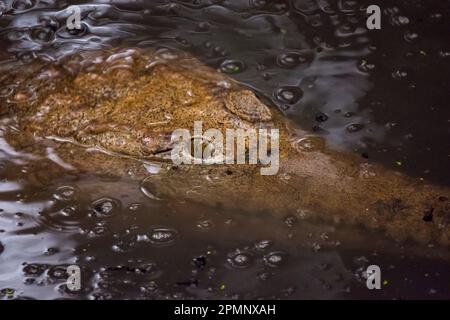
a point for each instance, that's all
(127, 103)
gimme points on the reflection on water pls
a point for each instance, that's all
(130, 246)
(380, 93)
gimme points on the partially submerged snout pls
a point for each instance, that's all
(132, 107)
(129, 104)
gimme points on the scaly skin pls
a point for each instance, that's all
(127, 103)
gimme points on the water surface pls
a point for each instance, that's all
(381, 94)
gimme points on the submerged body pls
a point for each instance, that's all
(114, 113)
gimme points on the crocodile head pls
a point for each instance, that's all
(129, 103)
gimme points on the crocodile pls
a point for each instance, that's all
(113, 111)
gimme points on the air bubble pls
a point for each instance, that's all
(105, 207)
(240, 259)
(365, 66)
(205, 224)
(321, 117)
(275, 259)
(58, 273)
(354, 127)
(410, 36)
(291, 59)
(22, 5)
(43, 34)
(309, 144)
(66, 193)
(288, 94)
(263, 244)
(162, 236)
(232, 66)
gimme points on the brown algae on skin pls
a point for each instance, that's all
(127, 103)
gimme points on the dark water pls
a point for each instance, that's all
(382, 94)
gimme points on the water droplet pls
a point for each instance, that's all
(291, 59)
(44, 34)
(58, 273)
(205, 224)
(51, 251)
(8, 293)
(34, 269)
(402, 20)
(2, 8)
(68, 211)
(98, 230)
(354, 127)
(150, 189)
(22, 5)
(105, 206)
(264, 275)
(263, 244)
(410, 36)
(200, 261)
(309, 144)
(27, 56)
(365, 66)
(240, 259)
(149, 288)
(275, 259)
(321, 117)
(134, 206)
(258, 3)
(232, 66)
(162, 236)
(202, 27)
(66, 193)
(290, 221)
(288, 94)
(348, 6)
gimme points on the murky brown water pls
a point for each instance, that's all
(382, 94)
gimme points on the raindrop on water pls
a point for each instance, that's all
(309, 144)
(288, 94)
(291, 59)
(68, 211)
(66, 193)
(240, 259)
(205, 224)
(354, 127)
(263, 244)
(321, 117)
(150, 189)
(275, 259)
(104, 206)
(365, 66)
(232, 66)
(23, 4)
(58, 273)
(162, 236)
(410, 36)
(44, 34)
